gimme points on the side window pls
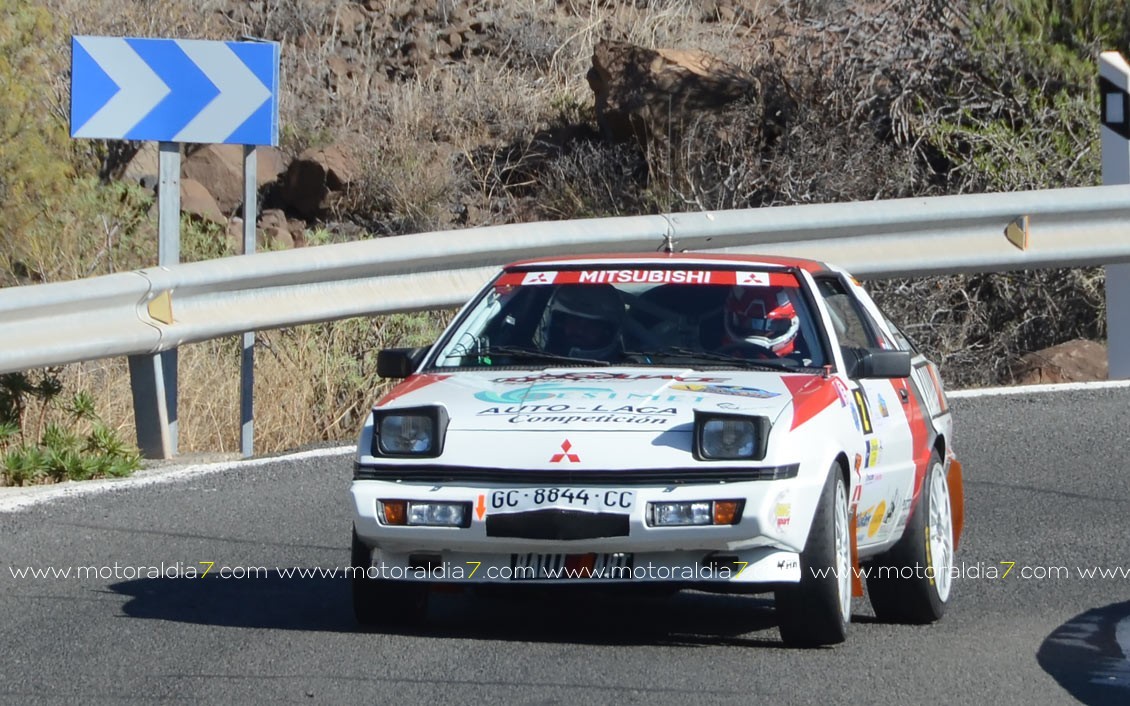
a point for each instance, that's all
(853, 326)
(901, 340)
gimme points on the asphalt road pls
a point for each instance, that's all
(1047, 485)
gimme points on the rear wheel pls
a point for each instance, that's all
(378, 602)
(911, 582)
(817, 610)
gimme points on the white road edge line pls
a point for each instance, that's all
(14, 499)
(19, 498)
(1029, 389)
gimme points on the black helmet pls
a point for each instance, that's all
(584, 320)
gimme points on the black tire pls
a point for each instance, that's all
(911, 582)
(383, 602)
(816, 611)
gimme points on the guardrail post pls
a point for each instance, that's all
(153, 378)
(1114, 88)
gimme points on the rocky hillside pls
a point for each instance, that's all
(402, 116)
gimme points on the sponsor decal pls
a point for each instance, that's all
(864, 420)
(782, 513)
(601, 377)
(841, 391)
(871, 459)
(533, 393)
(872, 518)
(650, 276)
(877, 519)
(565, 454)
(575, 409)
(883, 407)
(872, 477)
(785, 564)
(725, 390)
(728, 406)
(752, 279)
(892, 507)
(646, 277)
(573, 414)
(535, 278)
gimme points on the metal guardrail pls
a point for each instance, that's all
(160, 308)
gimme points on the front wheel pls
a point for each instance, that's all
(378, 602)
(816, 611)
(911, 582)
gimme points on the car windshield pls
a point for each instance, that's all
(684, 317)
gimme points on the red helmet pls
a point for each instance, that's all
(762, 316)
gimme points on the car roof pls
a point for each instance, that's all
(682, 258)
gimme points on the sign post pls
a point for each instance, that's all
(174, 91)
(1114, 89)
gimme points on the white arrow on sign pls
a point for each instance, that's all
(241, 91)
(141, 88)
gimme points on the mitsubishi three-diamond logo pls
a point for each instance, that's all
(565, 455)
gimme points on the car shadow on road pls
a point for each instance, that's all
(1088, 656)
(547, 614)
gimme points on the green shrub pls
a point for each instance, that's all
(36, 450)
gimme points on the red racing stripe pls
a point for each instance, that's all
(412, 384)
(919, 433)
(811, 396)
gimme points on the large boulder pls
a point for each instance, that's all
(220, 169)
(644, 93)
(1075, 361)
(315, 175)
(197, 202)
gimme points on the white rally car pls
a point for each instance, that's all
(728, 423)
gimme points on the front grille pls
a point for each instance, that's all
(557, 524)
(506, 476)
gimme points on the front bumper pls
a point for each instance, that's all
(556, 542)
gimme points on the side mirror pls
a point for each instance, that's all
(399, 362)
(876, 363)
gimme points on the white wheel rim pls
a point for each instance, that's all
(939, 532)
(843, 552)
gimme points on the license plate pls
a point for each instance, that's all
(594, 499)
(549, 567)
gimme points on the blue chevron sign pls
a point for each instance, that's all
(175, 90)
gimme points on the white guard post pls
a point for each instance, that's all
(1114, 88)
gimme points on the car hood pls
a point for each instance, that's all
(605, 399)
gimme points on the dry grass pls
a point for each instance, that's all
(312, 383)
(496, 134)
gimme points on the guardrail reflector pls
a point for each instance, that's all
(161, 307)
(1017, 232)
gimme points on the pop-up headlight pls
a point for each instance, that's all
(416, 431)
(729, 437)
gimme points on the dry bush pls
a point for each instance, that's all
(312, 383)
(976, 327)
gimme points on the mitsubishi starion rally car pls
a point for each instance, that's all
(717, 422)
